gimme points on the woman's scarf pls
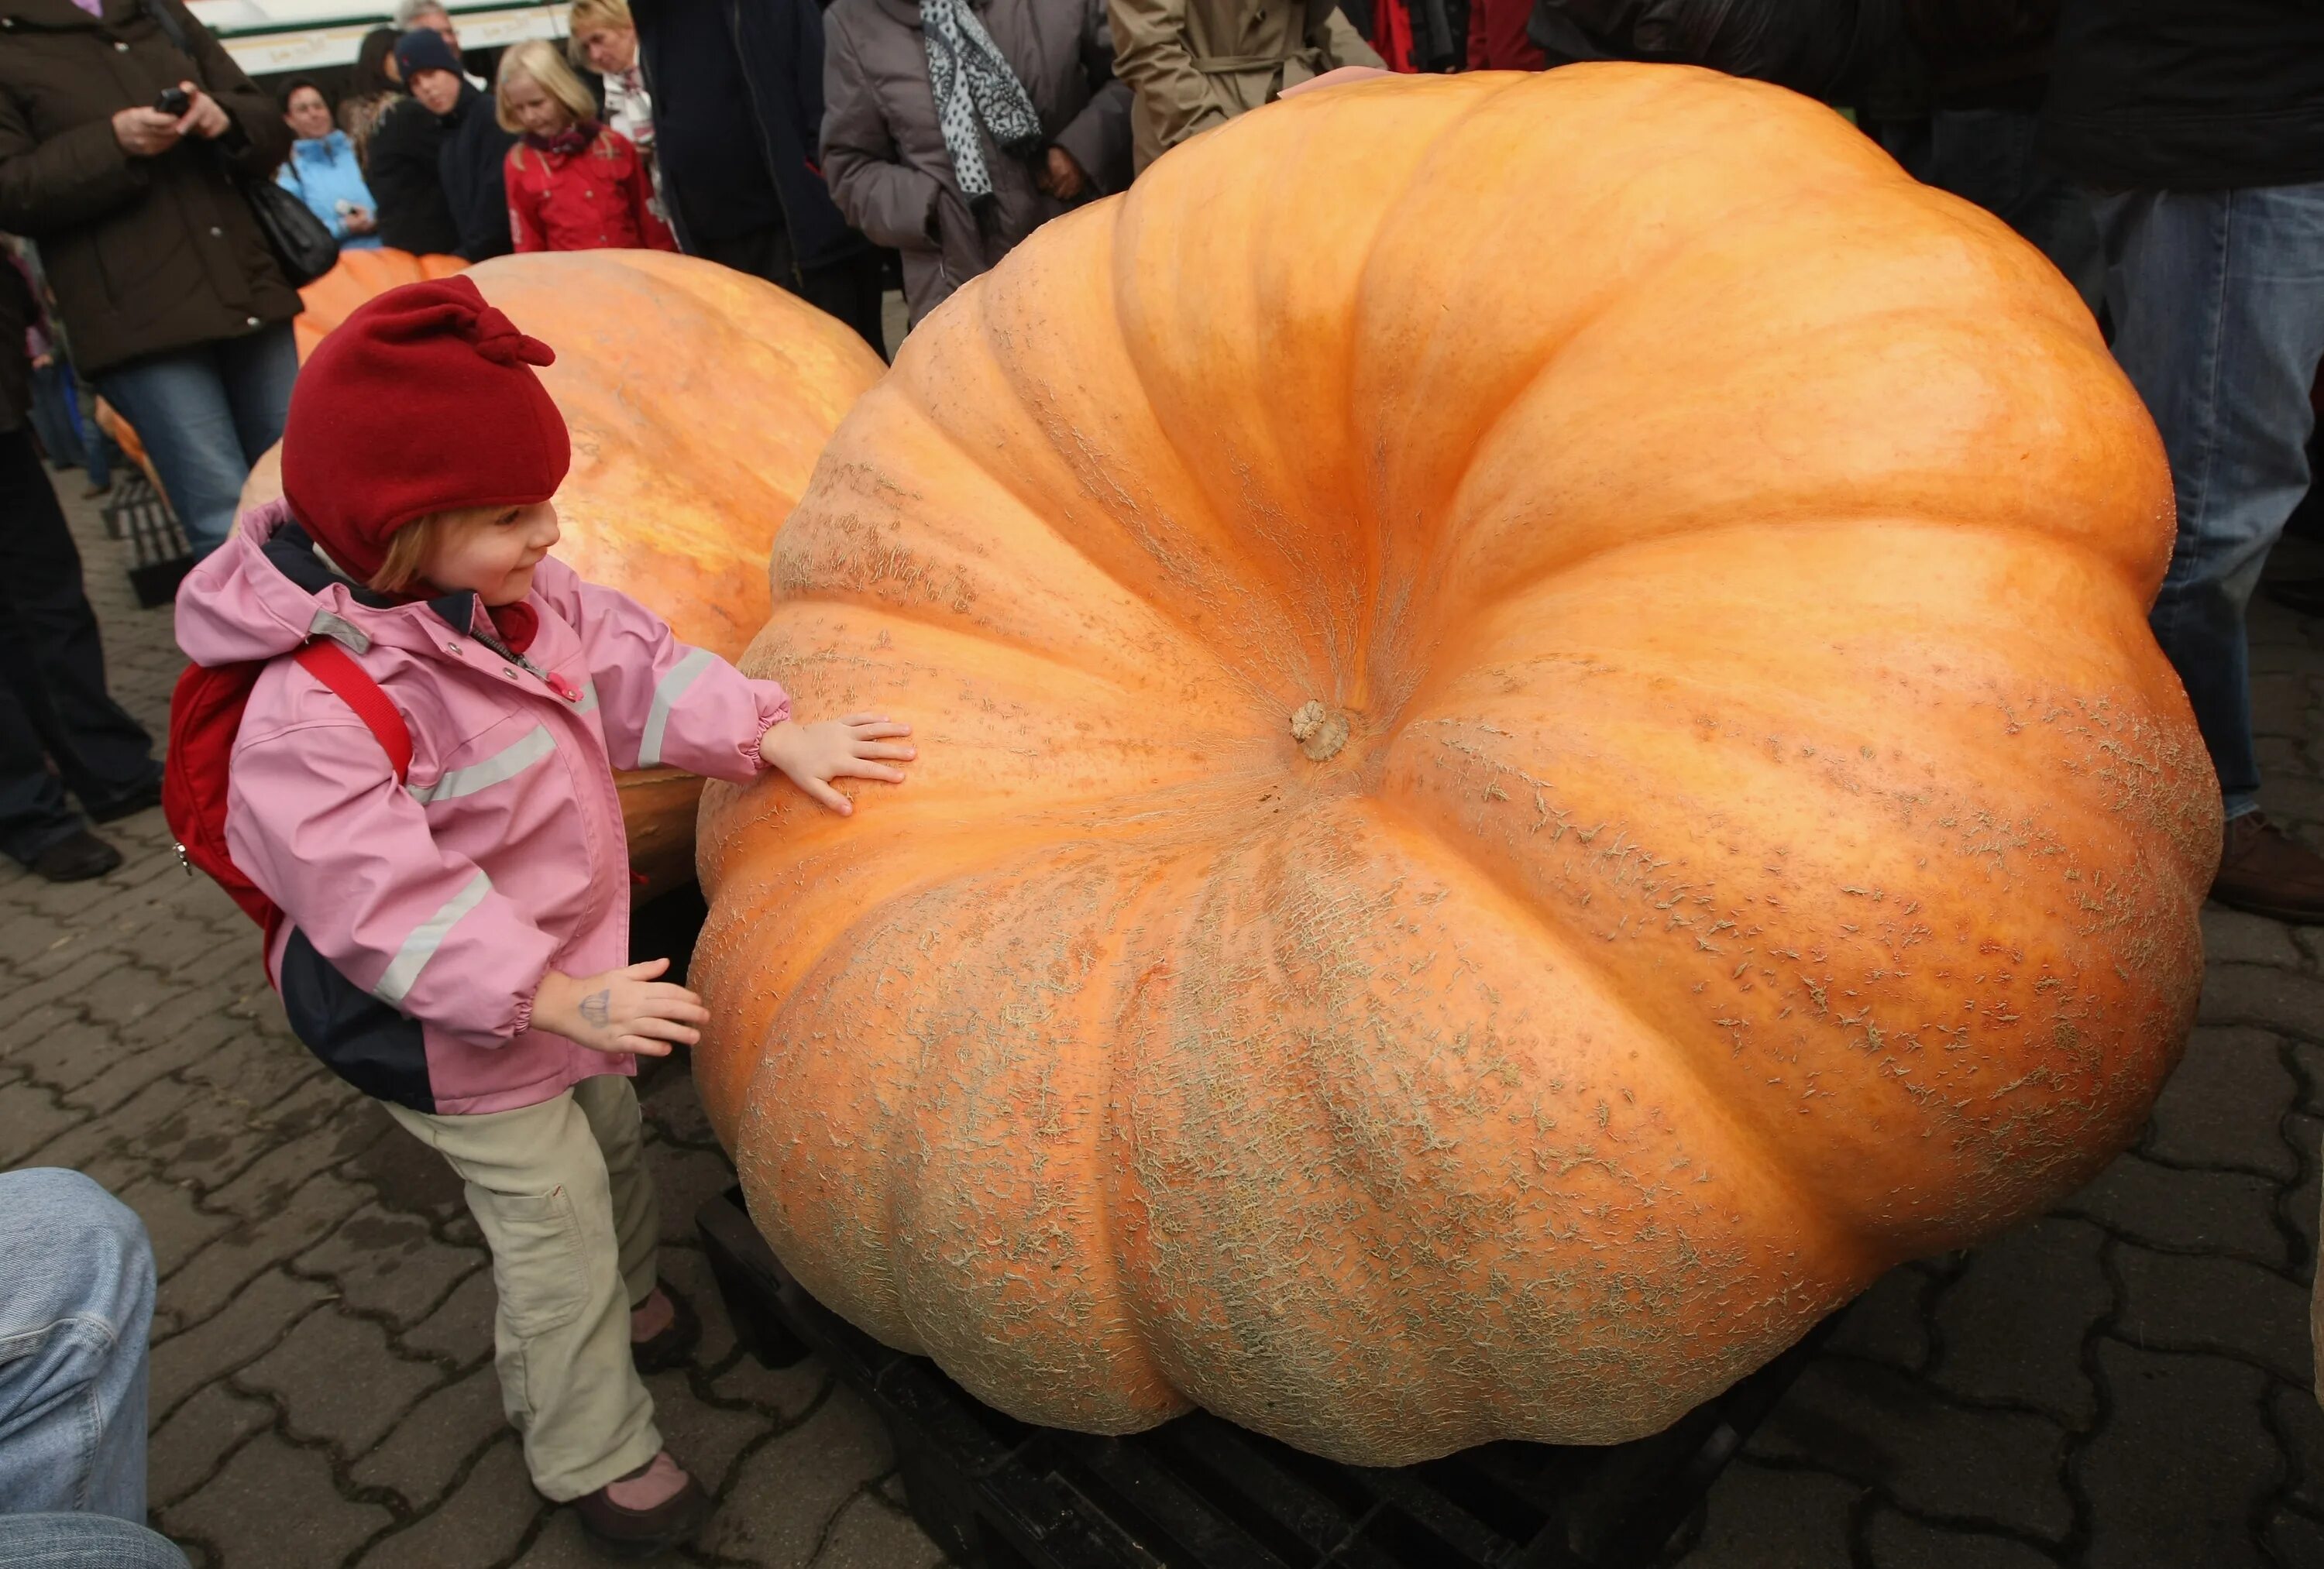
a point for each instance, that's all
(570, 143)
(972, 82)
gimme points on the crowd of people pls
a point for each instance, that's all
(2168, 158)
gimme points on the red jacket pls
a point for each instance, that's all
(592, 200)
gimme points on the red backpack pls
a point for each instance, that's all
(205, 715)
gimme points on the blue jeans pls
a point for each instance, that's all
(83, 1542)
(2219, 311)
(75, 1305)
(206, 414)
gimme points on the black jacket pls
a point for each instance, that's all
(407, 177)
(145, 254)
(1826, 49)
(781, 46)
(473, 162)
(2188, 94)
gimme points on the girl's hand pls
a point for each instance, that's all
(855, 747)
(623, 1012)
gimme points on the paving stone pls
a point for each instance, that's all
(262, 1314)
(409, 1178)
(125, 1126)
(255, 1069)
(783, 1392)
(2279, 705)
(2298, 1205)
(479, 1525)
(247, 1249)
(428, 1444)
(2158, 1494)
(673, 1109)
(2206, 1211)
(131, 1071)
(335, 1378)
(77, 983)
(2232, 937)
(2225, 1105)
(684, 1179)
(174, 1225)
(62, 1050)
(271, 1182)
(1878, 1426)
(2177, 1303)
(198, 1439)
(707, 1437)
(871, 1533)
(2012, 1325)
(275, 1505)
(460, 1332)
(561, 1545)
(32, 1117)
(389, 1264)
(786, 1494)
(2263, 995)
(1886, 1323)
(1758, 1516)
(2300, 1422)
(1897, 1541)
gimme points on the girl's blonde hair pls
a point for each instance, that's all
(407, 551)
(538, 58)
(589, 14)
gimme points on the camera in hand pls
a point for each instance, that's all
(174, 101)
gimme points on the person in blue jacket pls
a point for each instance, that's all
(324, 172)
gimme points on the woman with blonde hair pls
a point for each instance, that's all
(605, 40)
(573, 184)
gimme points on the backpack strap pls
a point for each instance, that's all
(329, 664)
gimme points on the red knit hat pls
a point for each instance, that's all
(423, 399)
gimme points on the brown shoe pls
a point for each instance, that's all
(2265, 870)
(671, 1345)
(649, 1511)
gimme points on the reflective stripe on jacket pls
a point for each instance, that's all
(423, 915)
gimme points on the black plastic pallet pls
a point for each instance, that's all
(159, 556)
(1201, 1493)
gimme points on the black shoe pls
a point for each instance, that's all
(627, 1533)
(142, 798)
(677, 1341)
(76, 859)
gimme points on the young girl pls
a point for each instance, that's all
(456, 942)
(573, 184)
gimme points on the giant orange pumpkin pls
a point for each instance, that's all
(1539, 756)
(697, 398)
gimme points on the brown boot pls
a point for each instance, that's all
(649, 1511)
(2265, 870)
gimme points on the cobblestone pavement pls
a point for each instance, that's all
(2123, 1384)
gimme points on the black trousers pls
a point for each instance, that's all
(848, 289)
(53, 704)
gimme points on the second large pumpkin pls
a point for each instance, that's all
(697, 398)
(1539, 756)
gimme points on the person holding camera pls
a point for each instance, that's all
(120, 154)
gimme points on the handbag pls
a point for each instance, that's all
(303, 245)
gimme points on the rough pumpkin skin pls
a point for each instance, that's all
(697, 398)
(1508, 812)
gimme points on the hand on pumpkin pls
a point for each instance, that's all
(858, 746)
(623, 1012)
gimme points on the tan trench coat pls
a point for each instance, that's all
(1193, 64)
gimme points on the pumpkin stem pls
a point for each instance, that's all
(1319, 732)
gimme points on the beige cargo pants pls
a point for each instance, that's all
(561, 1192)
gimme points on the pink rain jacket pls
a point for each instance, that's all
(421, 917)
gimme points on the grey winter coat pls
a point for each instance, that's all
(885, 158)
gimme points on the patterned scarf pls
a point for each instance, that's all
(972, 82)
(570, 143)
